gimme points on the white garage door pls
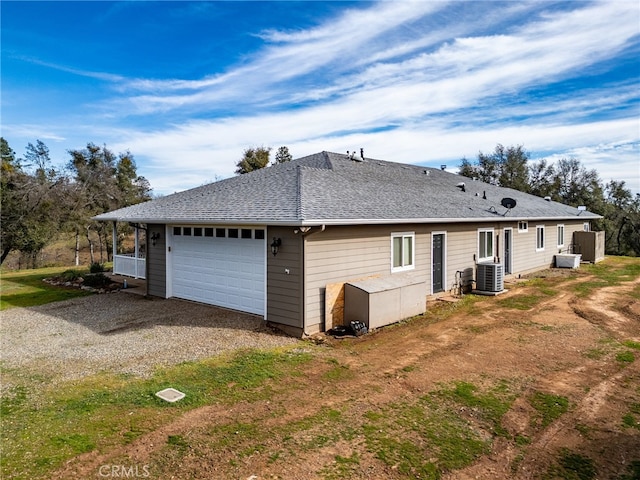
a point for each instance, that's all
(220, 266)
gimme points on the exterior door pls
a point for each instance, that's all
(508, 247)
(437, 259)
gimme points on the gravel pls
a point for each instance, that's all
(124, 333)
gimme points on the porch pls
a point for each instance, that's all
(130, 264)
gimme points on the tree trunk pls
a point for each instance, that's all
(101, 246)
(92, 260)
(77, 252)
(5, 252)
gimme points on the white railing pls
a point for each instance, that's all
(129, 265)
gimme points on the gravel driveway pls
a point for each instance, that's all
(124, 333)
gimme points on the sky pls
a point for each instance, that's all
(186, 87)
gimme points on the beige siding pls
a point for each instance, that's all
(284, 279)
(157, 262)
(341, 254)
(527, 259)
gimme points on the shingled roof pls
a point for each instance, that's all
(331, 188)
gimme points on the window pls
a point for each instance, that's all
(208, 232)
(539, 238)
(197, 231)
(221, 233)
(586, 227)
(259, 234)
(233, 233)
(523, 227)
(245, 233)
(485, 245)
(402, 251)
(177, 230)
(186, 231)
(560, 235)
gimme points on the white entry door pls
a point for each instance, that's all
(220, 266)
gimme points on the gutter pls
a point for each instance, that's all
(346, 221)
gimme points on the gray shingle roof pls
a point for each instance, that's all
(333, 189)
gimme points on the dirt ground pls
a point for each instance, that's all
(564, 345)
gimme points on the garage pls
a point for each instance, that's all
(219, 266)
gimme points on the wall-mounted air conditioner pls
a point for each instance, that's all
(490, 277)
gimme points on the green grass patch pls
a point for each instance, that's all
(572, 466)
(633, 471)
(44, 427)
(25, 288)
(625, 357)
(550, 407)
(631, 344)
(610, 272)
(342, 467)
(425, 438)
(521, 302)
(337, 371)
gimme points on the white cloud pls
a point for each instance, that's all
(409, 81)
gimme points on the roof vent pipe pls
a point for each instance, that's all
(461, 186)
(484, 195)
(443, 167)
(362, 154)
(547, 198)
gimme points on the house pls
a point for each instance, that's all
(281, 242)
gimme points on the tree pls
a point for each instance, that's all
(542, 179)
(506, 167)
(578, 186)
(283, 155)
(102, 182)
(513, 167)
(253, 158)
(622, 220)
(466, 169)
(31, 202)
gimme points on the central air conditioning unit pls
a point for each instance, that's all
(490, 277)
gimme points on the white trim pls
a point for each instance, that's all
(558, 244)
(493, 247)
(168, 235)
(523, 230)
(337, 221)
(544, 240)
(267, 252)
(444, 260)
(404, 235)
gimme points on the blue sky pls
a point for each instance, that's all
(188, 86)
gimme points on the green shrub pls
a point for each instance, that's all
(96, 267)
(97, 280)
(70, 275)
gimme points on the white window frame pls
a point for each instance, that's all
(410, 264)
(540, 244)
(560, 233)
(481, 232)
(586, 226)
(526, 226)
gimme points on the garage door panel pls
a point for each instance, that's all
(227, 272)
